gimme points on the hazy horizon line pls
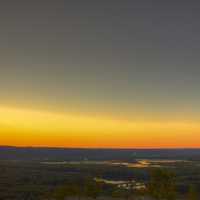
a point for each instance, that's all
(101, 148)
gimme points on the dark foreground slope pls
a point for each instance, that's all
(24, 175)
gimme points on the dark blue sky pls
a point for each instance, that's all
(127, 58)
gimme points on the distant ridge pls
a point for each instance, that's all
(71, 154)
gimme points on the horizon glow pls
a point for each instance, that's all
(26, 127)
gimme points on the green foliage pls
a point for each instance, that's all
(193, 193)
(127, 194)
(122, 193)
(117, 193)
(67, 191)
(88, 189)
(60, 193)
(93, 189)
(162, 185)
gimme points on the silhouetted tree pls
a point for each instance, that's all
(93, 189)
(123, 193)
(128, 194)
(117, 193)
(68, 191)
(162, 185)
(60, 193)
(192, 193)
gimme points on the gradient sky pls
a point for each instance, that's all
(100, 73)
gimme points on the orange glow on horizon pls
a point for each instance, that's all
(23, 127)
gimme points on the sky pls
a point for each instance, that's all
(99, 74)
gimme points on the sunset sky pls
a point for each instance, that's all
(118, 74)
